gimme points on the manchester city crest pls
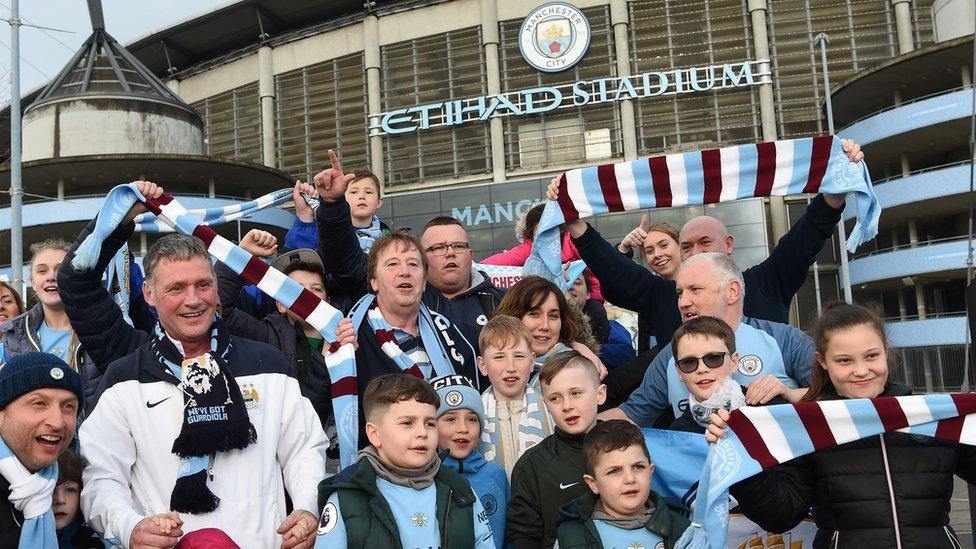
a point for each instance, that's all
(750, 365)
(453, 398)
(554, 37)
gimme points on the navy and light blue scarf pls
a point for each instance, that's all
(214, 416)
(369, 234)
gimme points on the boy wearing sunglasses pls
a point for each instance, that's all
(705, 357)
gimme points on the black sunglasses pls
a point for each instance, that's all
(689, 364)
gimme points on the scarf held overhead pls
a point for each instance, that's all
(776, 168)
(762, 437)
(322, 316)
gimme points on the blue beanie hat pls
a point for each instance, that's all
(30, 371)
(457, 392)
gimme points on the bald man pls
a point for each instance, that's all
(769, 286)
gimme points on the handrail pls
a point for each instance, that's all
(918, 244)
(917, 99)
(921, 171)
(928, 316)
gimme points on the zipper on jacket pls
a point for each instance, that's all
(952, 538)
(447, 513)
(835, 539)
(891, 491)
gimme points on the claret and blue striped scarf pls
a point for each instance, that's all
(322, 316)
(763, 437)
(776, 168)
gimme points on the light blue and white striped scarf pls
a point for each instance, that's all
(762, 437)
(776, 168)
(31, 494)
(318, 313)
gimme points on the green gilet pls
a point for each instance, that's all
(369, 520)
(577, 531)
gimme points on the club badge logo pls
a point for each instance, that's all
(453, 398)
(554, 37)
(750, 365)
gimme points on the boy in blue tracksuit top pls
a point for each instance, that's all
(459, 420)
(399, 495)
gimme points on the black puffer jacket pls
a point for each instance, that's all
(885, 491)
(94, 315)
(20, 335)
(278, 331)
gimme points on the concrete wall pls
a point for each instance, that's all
(124, 126)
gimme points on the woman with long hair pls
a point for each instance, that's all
(891, 490)
(555, 325)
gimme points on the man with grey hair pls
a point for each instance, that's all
(774, 359)
(194, 427)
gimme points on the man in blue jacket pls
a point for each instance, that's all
(774, 358)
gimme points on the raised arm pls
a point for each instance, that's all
(338, 245)
(94, 315)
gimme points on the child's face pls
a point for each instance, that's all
(362, 198)
(704, 380)
(508, 368)
(406, 434)
(622, 479)
(572, 397)
(856, 361)
(65, 504)
(311, 282)
(459, 431)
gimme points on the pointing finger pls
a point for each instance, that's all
(336, 165)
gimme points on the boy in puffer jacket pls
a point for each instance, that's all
(460, 418)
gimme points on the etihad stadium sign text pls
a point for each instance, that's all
(578, 94)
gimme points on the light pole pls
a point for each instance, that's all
(845, 274)
(16, 187)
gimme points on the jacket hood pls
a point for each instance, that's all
(479, 282)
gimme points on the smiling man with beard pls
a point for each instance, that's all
(774, 358)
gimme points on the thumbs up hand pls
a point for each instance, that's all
(635, 238)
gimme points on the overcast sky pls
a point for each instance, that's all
(44, 53)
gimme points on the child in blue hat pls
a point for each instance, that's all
(460, 419)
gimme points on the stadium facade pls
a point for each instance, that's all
(468, 107)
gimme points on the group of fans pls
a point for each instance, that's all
(206, 414)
